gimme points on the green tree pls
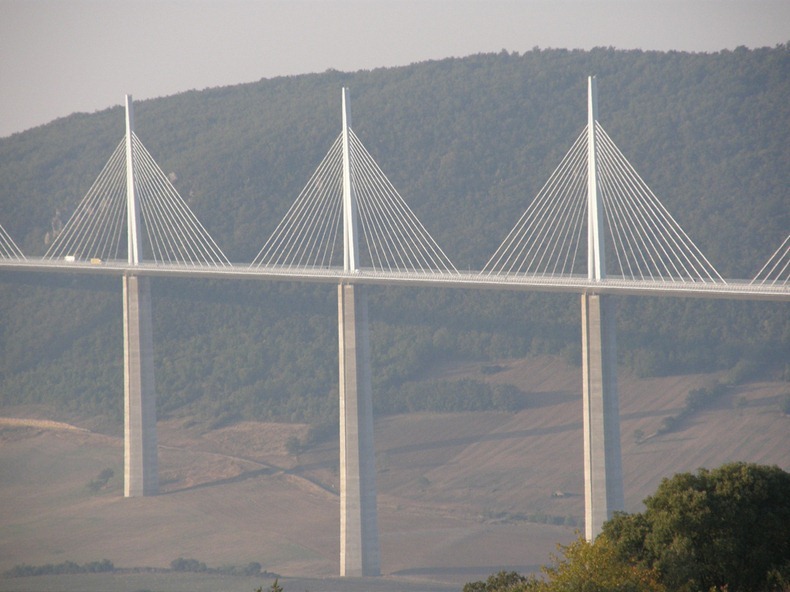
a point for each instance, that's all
(503, 581)
(192, 565)
(727, 528)
(582, 567)
(275, 587)
(594, 567)
(293, 446)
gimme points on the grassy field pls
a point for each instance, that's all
(144, 582)
(460, 495)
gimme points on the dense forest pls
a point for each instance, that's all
(467, 142)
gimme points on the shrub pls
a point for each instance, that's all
(188, 565)
(101, 480)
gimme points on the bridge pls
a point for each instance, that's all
(350, 227)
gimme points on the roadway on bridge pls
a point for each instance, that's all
(730, 289)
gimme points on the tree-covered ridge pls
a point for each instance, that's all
(467, 142)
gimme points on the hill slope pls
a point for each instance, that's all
(460, 495)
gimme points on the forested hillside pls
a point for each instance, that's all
(468, 143)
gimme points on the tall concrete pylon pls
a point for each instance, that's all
(603, 473)
(141, 468)
(359, 534)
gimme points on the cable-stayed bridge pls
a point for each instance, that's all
(648, 251)
(595, 228)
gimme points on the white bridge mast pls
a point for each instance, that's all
(596, 260)
(141, 468)
(603, 473)
(359, 534)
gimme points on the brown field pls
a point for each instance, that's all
(458, 493)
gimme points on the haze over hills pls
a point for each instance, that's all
(467, 142)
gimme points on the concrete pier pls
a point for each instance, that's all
(359, 537)
(141, 470)
(603, 474)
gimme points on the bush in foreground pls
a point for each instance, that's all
(726, 529)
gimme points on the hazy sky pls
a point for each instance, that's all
(62, 56)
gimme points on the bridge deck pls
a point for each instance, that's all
(731, 289)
